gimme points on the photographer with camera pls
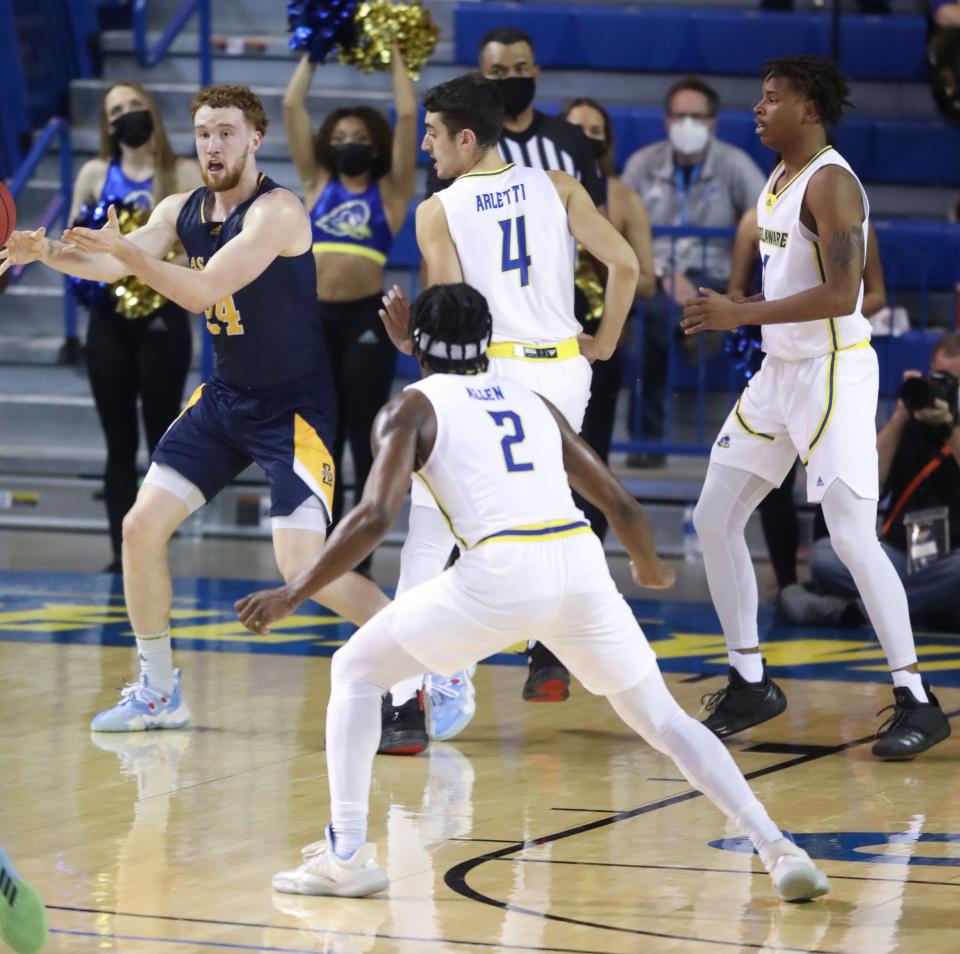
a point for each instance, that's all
(919, 461)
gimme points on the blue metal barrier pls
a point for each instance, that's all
(921, 260)
(150, 57)
(57, 208)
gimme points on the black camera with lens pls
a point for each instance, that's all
(919, 393)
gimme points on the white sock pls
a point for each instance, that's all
(156, 659)
(749, 665)
(704, 760)
(913, 681)
(405, 690)
(349, 828)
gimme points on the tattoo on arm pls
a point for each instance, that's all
(846, 248)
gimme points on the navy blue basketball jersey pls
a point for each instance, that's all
(268, 333)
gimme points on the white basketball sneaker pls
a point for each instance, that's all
(141, 707)
(453, 703)
(322, 872)
(794, 875)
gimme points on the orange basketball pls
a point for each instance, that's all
(8, 214)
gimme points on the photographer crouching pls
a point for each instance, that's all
(919, 460)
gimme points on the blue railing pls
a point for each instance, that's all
(57, 208)
(151, 57)
(920, 261)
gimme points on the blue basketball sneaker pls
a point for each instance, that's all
(143, 707)
(452, 703)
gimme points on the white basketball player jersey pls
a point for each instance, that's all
(512, 235)
(793, 262)
(497, 464)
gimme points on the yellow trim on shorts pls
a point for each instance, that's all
(193, 400)
(742, 421)
(460, 541)
(561, 351)
(345, 248)
(536, 532)
(310, 451)
(831, 395)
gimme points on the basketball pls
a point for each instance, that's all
(8, 214)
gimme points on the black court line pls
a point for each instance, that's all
(681, 780)
(733, 871)
(492, 841)
(456, 877)
(289, 927)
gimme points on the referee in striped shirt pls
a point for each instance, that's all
(530, 138)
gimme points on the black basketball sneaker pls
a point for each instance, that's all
(548, 679)
(913, 727)
(403, 728)
(741, 704)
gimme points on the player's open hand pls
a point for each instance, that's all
(103, 241)
(23, 248)
(713, 312)
(395, 316)
(653, 575)
(260, 610)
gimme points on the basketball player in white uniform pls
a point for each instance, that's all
(499, 460)
(815, 395)
(509, 232)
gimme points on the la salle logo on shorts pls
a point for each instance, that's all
(724, 441)
(327, 476)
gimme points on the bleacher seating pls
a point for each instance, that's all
(669, 39)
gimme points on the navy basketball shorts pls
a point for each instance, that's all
(222, 431)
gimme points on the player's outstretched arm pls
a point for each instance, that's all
(834, 201)
(87, 253)
(396, 434)
(436, 244)
(591, 478)
(276, 224)
(595, 233)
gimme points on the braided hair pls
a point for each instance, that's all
(819, 79)
(451, 328)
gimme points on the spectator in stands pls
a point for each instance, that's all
(358, 179)
(945, 13)
(626, 211)
(919, 461)
(131, 359)
(530, 137)
(688, 179)
(778, 512)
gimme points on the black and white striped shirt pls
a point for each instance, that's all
(547, 143)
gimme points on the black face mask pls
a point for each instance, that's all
(133, 129)
(597, 146)
(518, 93)
(352, 158)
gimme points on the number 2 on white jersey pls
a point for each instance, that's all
(501, 419)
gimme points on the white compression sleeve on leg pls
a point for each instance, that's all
(425, 552)
(359, 675)
(852, 522)
(649, 709)
(728, 498)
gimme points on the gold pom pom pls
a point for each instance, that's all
(132, 298)
(380, 24)
(587, 279)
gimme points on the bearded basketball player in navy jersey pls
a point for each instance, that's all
(252, 276)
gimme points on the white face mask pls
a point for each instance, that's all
(689, 136)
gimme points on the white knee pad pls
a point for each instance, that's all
(166, 478)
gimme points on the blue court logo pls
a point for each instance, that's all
(872, 847)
